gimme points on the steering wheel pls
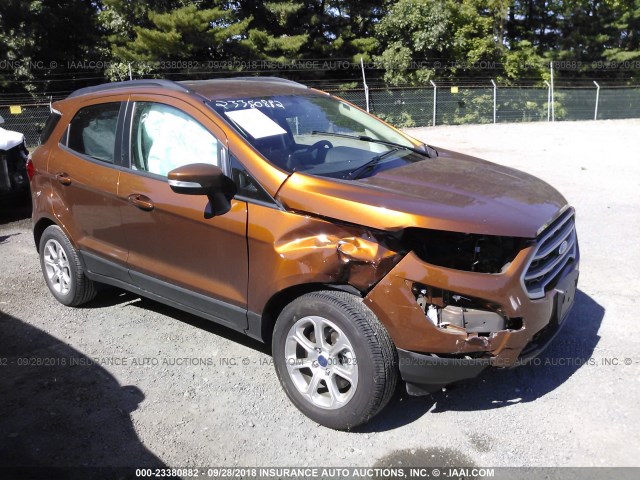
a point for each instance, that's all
(321, 147)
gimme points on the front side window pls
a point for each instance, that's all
(317, 134)
(92, 131)
(164, 138)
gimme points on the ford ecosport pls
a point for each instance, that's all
(362, 255)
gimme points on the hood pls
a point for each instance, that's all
(452, 192)
(10, 139)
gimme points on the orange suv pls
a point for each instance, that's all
(280, 211)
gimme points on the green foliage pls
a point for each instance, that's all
(625, 31)
(397, 61)
(414, 41)
(185, 33)
(443, 37)
(522, 61)
(347, 86)
(412, 32)
(283, 11)
(280, 48)
(37, 34)
(467, 106)
(398, 120)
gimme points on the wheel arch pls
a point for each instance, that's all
(261, 325)
(44, 222)
(39, 227)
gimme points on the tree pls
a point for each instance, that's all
(354, 24)
(441, 36)
(412, 40)
(41, 36)
(412, 32)
(584, 30)
(186, 32)
(625, 25)
(274, 29)
(289, 29)
(17, 46)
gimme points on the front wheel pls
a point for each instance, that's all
(334, 359)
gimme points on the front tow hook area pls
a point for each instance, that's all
(425, 374)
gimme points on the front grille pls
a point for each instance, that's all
(547, 263)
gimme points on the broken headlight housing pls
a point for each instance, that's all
(449, 310)
(463, 251)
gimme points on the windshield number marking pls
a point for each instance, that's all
(235, 104)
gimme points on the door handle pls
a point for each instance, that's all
(141, 201)
(63, 178)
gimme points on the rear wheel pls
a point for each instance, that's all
(334, 359)
(62, 269)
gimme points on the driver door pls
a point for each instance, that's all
(177, 252)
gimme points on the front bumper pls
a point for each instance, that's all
(431, 357)
(428, 373)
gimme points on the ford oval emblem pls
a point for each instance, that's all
(564, 246)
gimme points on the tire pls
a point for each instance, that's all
(62, 269)
(355, 373)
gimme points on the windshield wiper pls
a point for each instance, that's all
(357, 173)
(365, 138)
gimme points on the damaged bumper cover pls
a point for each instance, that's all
(432, 355)
(13, 161)
(428, 373)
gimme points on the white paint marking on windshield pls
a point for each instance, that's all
(255, 123)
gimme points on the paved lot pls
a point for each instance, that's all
(127, 381)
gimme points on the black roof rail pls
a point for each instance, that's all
(269, 79)
(130, 83)
(248, 79)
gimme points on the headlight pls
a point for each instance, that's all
(463, 251)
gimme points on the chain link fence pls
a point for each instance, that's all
(26, 118)
(452, 105)
(429, 106)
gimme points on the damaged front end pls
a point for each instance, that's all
(455, 308)
(453, 303)
(304, 252)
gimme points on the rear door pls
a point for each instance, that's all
(176, 250)
(84, 174)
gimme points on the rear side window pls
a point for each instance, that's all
(49, 126)
(92, 131)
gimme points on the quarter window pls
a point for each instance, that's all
(164, 138)
(92, 131)
(247, 185)
(49, 127)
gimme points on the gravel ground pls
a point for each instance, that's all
(116, 383)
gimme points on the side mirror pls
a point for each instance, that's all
(1, 120)
(204, 179)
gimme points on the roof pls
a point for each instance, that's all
(129, 84)
(210, 89)
(244, 87)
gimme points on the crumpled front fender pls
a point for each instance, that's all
(301, 249)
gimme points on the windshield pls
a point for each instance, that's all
(317, 134)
